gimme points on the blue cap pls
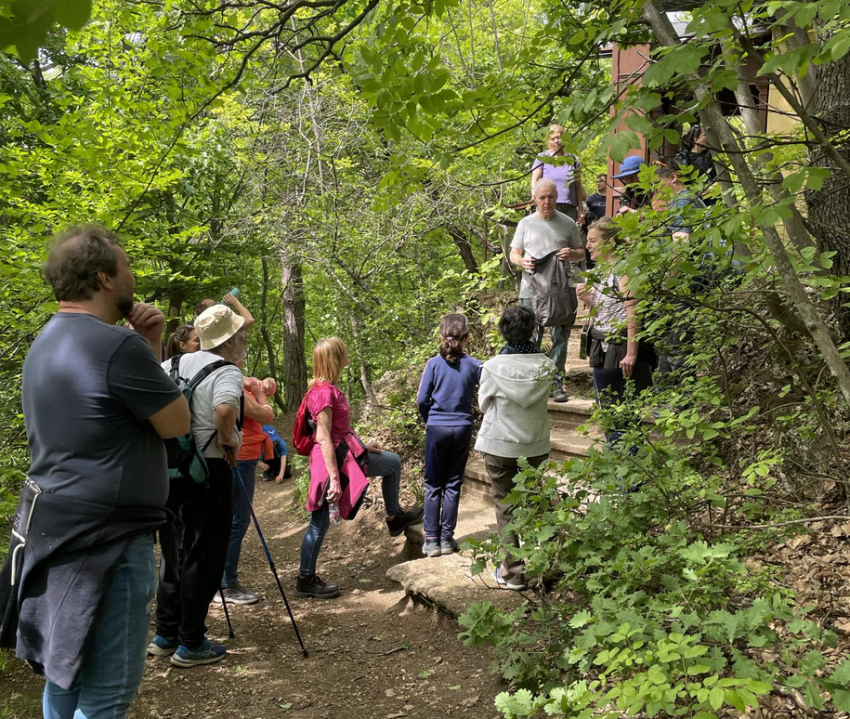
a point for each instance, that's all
(630, 166)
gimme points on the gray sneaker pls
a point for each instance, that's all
(431, 548)
(449, 546)
(558, 395)
(237, 594)
(504, 584)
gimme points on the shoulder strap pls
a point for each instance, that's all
(175, 367)
(207, 371)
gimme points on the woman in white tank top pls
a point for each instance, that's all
(615, 313)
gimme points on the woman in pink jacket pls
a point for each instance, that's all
(328, 406)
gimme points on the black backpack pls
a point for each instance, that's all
(185, 459)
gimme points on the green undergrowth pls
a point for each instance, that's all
(646, 605)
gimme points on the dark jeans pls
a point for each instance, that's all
(311, 545)
(194, 546)
(502, 471)
(446, 452)
(245, 469)
(387, 466)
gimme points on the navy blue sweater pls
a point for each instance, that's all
(446, 391)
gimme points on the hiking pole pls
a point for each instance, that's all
(226, 614)
(232, 460)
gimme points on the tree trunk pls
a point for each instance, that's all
(175, 308)
(294, 363)
(829, 207)
(464, 246)
(264, 332)
(365, 372)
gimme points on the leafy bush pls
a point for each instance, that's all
(645, 611)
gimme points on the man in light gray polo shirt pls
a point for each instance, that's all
(536, 236)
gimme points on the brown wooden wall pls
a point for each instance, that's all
(627, 66)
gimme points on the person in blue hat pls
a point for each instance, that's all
(632, 198)
(277, 468)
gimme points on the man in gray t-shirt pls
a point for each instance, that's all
(195, 547)
(222, 387)
(97, 407)
(536, 236)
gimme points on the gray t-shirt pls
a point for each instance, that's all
(537, 237)
(224, 386)
(88, 391)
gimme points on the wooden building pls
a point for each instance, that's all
(627, 67)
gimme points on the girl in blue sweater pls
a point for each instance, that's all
(445, 403)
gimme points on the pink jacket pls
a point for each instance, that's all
(353, 480)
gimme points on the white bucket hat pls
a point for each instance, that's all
(216, 325)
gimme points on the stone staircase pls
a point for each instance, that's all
(564, 418)
(447, 583)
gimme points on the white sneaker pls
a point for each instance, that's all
(497, 575)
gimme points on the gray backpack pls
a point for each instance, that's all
(553, 296)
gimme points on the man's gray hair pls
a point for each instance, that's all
(542, 183)
(235, 337)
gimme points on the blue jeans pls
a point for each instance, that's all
(386, 465)
(311, 545)
(560, 341)
(241, 518)
(114, 661)
(446, 452)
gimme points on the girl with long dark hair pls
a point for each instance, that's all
(445, 403)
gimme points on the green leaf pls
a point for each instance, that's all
(735, 699)
(73, 14)
(816, 177)
(580, 619)
(716, 698)
(813, 696)
(841, 700)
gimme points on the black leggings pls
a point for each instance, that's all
(194, 547)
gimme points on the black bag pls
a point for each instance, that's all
(553, 296)
(185, 459)
(586, 339)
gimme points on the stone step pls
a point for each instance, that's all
(569, 443)
(565, 444)
(570, 414)
(475, 480)
(447, 583)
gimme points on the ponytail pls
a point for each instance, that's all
(454, 329)
(180, 335)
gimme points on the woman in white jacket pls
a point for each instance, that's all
(513, 395)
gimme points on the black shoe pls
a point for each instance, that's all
(312, 586)
(558, 395)
(287, 474)
(403, 519)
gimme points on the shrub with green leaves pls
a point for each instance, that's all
(642, 611)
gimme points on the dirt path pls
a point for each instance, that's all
(373, 654)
